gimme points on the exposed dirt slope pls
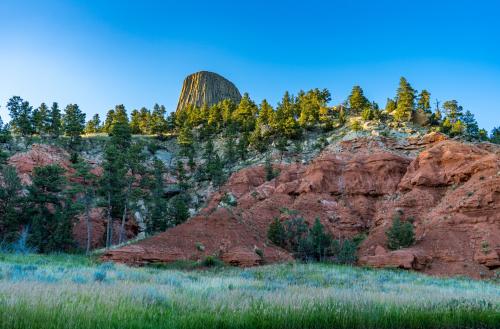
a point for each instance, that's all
(451, 189)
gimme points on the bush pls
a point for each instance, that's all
(99, 276)
(346, 253)
(211, 261)
(276, 233)
(400, 234)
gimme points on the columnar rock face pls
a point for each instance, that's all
(206, 88)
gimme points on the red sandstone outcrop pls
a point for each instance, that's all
(450, 189)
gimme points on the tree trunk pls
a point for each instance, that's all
(89, 226)
(124, 217)
(109, 229)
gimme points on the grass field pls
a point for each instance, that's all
(62, 291)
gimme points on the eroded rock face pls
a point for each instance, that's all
(451, 189)
(206, 88)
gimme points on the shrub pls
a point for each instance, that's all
(99, 276)
(270, 172)
(318, 244)
(276, 233)
(211, 261)
(200, 246)
(347, 253)
(259, 252)
(400, 234)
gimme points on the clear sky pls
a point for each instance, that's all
(102, 53)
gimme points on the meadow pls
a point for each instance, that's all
(63, 291)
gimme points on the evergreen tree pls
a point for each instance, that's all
(269, 170)
(11, 204)
(285, 123)
(258, 139)
(93, 126)
(245, 114)
(186, 140)
(178, 211)
(5, 135)
(357, 100)
(159, 206)
(73, 123)
(453, 110)
(266, 115)
(41, 119)
(50, 211)
(55, 121)
(400, 235)
(120, 131)
(405, 101)
(145, 123)
(242, 146)
(111, 186)
(84, 185)
(317, 244)
(108, 122)
(158, 121)
(495, 135)
(471, 131)
(310, 104)
(135, 122)
(230, 153)
(276, 233)
(423, 111)
(390, 106)
(21, 116)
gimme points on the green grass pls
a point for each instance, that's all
(62, 291)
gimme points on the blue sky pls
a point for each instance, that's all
(102, 53)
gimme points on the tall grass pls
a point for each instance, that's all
(72, 292)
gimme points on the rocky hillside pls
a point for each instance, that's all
(206, 88)
(449, 189)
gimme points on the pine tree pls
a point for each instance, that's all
(119, 131)
(11, 204)
(73, 123)
(423, 111)
(242, 146)
(453, 110)
(159, 206)
(285, 123)
(266, 115)
(50, 212)
(21, 116)
(320, 241)
(405, 101)
(186, 140)
(390, 106)
(310, 105)
(495, 135)
(5, 135)
(108, 122)
(135, 122)
(84, 185)
(276, 233)
(471, 131)
(158, 121)
(93, 126)
(357, 100)
(41, 119)
(400, 235)
(145, 123)
(55, 121)
(178, 211)
(245, 114)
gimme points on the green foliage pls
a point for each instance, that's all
(94, 125)
(55, 121)
(158, 123)
(158, 221)
(400, 234)
(73, 123)
(5, 135)
(50, 210)
(20, 113)
(271, 173)
(357, 100)
(495, 135)
(178, 211)
(121, 135)
(310, 105)
(12, 204)
(405, 101)
(317, 244)
(471, 131)
(41, 120)
(245, 114)
(390, 106)
(276, 233)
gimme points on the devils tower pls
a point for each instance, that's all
(206, 88)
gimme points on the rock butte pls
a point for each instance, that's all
(450, 188)
(206, 88)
